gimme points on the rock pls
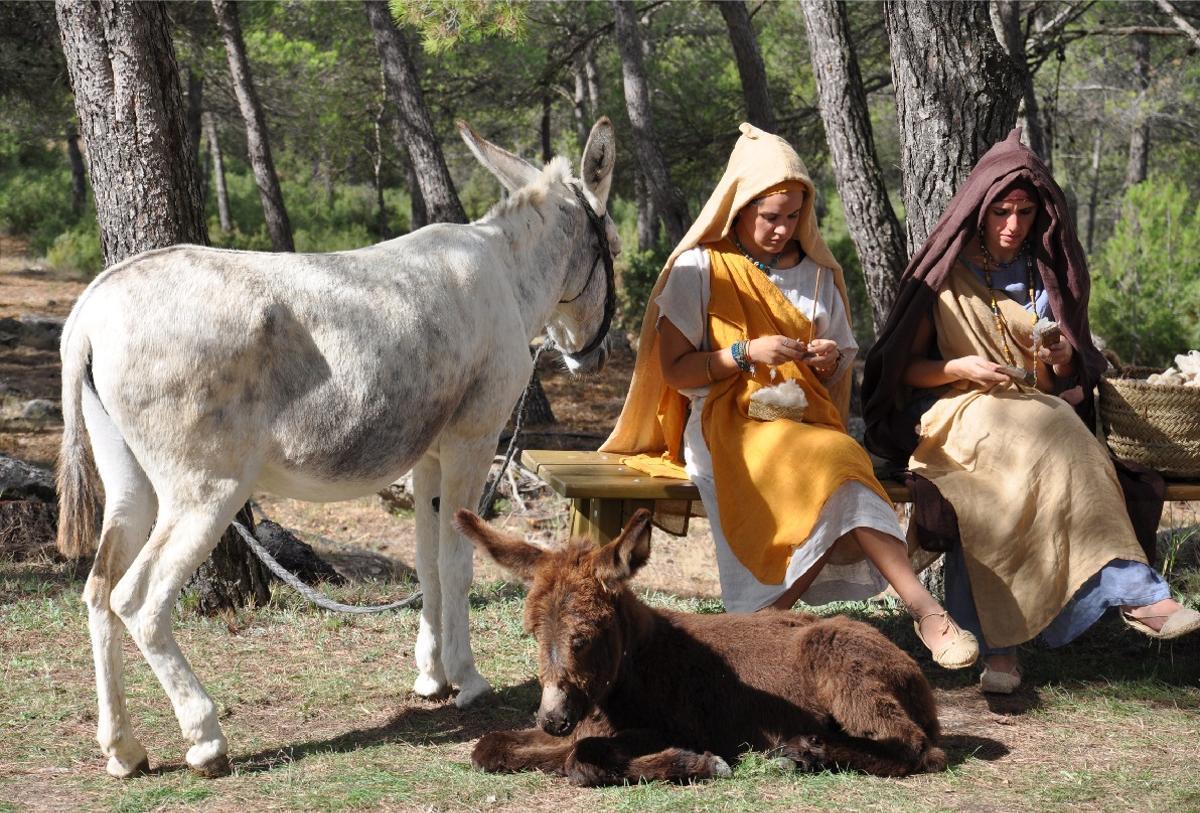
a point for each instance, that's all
(296, 556)
(10, 332)
(39, 409)
(42, 332)
(20, 481)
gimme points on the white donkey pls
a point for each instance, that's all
(203, 375)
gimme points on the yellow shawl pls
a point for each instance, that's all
(759, 161)
(772, 477)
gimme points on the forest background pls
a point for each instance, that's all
(1115, 103)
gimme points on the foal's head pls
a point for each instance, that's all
(573, 609)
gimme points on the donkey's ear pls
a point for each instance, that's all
(511, 171)
(617, 562)
(510, 552)
(599, 158)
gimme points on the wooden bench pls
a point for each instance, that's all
(604, 493)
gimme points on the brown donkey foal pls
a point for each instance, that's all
(633, 693)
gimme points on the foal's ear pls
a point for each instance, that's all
(510, 552)
(625, 556)
(599, 158)
(513, 172)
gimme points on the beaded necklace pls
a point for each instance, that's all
(1001, 326)
(766, 268)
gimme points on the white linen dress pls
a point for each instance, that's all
(684, 301)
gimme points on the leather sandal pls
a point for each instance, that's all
(993, 681)
(960, 651)
(1178, 623)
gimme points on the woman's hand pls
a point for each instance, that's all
(822, 356)
(776, 350)
(976, 369)
(1057, 355)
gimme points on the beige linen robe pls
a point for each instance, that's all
(1038, 503)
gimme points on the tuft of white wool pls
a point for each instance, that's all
(1185, 373)
(786, 395)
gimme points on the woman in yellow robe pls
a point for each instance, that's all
(749, 299)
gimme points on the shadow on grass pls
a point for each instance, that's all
(508, 707)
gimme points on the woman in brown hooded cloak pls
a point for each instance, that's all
(750, 298)
(971, 387)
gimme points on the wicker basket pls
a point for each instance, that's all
(769, 412)
(1156, 425)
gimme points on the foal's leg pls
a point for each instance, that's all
(881, 737)
(530, 749)
(465, 463)
(638, 756)
(184, 535)
(129, 507)
(431, 677)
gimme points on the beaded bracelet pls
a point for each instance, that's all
(740, 357)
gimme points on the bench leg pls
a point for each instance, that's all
(596, 519)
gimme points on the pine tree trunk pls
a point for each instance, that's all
(231, 576)
(580, 108)
(416, 127)
(671, 208)
(870, 219)
(1139, 137)
(78, 175)
(131, 116)
(956, 96)
(1094, 191)
(218, 168)
(547, 135)
(257, 143)
(592, 73)
(144, 177)
(751, 70)
(647, 217)
(1010, 31)
(195, 108)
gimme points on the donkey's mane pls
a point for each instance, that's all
(522, 210)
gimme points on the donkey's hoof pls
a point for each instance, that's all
(208, 759)
(471, 692)
(122, 770)
(431, 688)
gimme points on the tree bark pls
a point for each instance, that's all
(592, 74)
(753, 74)
(1094, 192)
(416, 127)
(78, 176)
(1139, 137)
(257, 143)
(232, 576)
(126, 83)
(956, 95)
(195, 107)
(1010, 30)
(218, 168)
(381, 220)
(870, 219)
(547, 136)
(580, 109)
(671, 208)
(647, 217)
(144, 175)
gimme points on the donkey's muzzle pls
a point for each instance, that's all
(556, 714)
(592, 362)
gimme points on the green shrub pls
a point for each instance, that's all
(637, 273)
(1146, 277)
(77, 251)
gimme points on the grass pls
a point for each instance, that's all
(319, 717)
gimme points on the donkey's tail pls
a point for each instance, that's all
(78, 482)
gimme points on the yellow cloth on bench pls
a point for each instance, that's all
(772, 477)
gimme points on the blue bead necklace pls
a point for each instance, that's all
(766, 268)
